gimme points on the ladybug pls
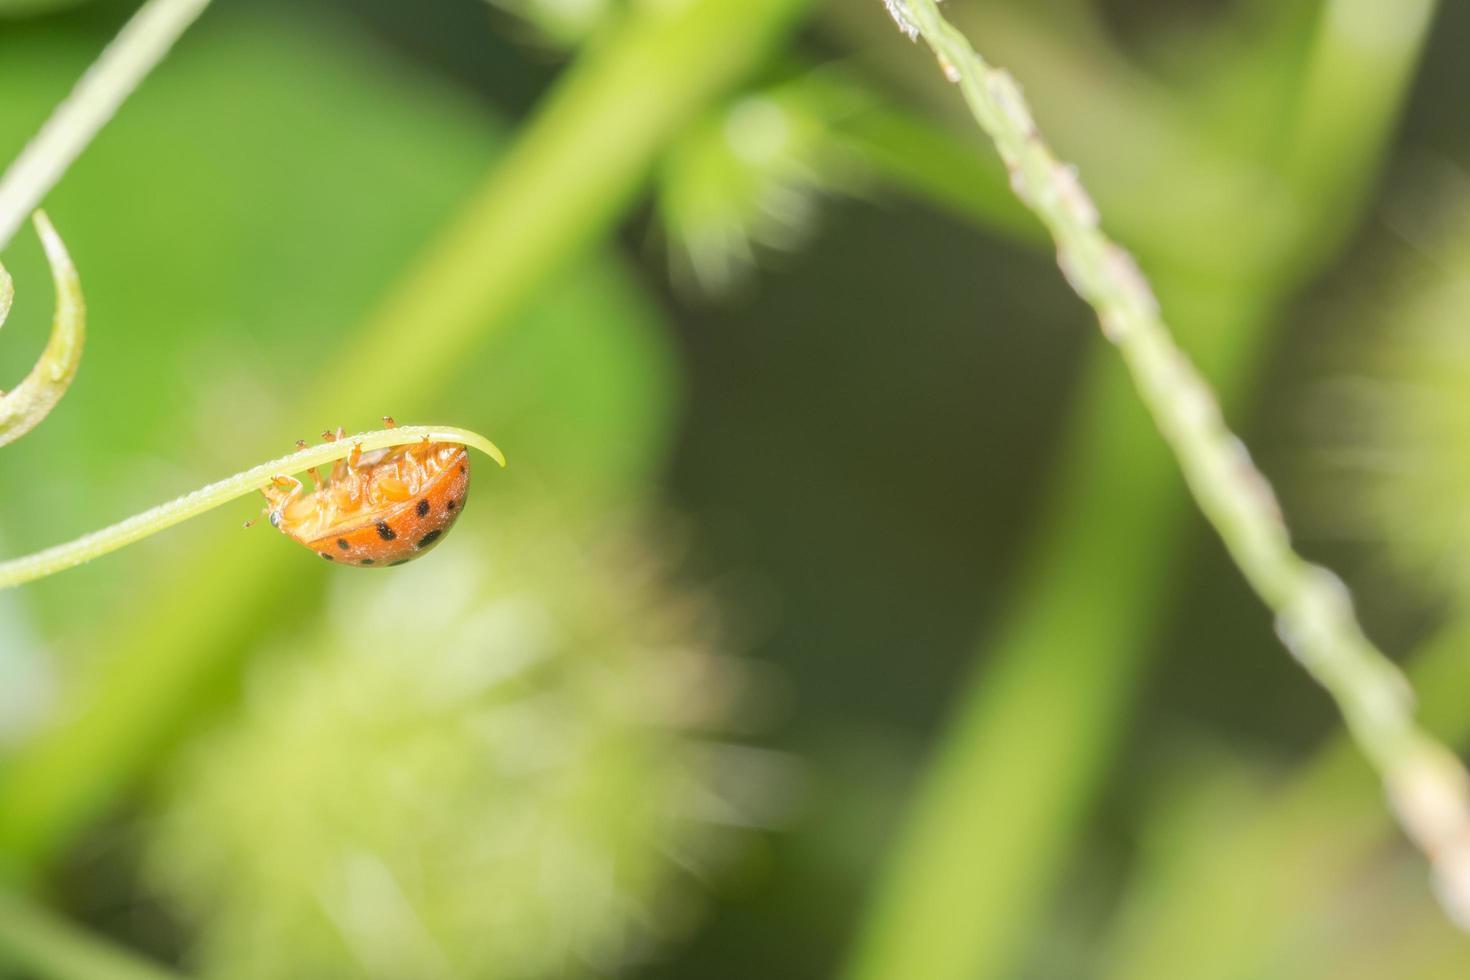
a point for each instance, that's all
(376, 509)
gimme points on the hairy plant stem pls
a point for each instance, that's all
(139, 46)
(18, 571)
(1314, 615)
(1012, 801)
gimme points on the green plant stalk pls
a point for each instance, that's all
(138, 48)
(48, 948)
(545, 204)
(23, 409)
(928, 877)
(18, 571)
(998, 806)
(1350, 84)
(537, 211)
(1425, 781)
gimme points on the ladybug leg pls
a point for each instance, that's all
(279, 497)
(283, 482)
(346, 469)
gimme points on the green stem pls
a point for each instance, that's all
(997, 809)
(999, 804)
(1353, 86)
(51, 949)
(577, 163)
(1426, 784)
(20, 570)
(138, 47)
(546, 202)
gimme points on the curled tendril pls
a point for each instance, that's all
(23, 409)
(18, 571)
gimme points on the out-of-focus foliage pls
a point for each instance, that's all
(1397, 422)
(563, 23)
(490, 763)
(749, 175)
(29, 8)
(477, 767)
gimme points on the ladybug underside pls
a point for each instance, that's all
(380, 508)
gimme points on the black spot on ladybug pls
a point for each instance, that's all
(423, 508)
(366, 561)
(429, 538)
(461, 467)
(326, 556)
(342, 543)
(385, 532)
(451, 505)
(401, 561)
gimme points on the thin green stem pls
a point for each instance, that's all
(138, 47)
(23, 409)
(21, 570)
(1001, 802)
(48, 948)
(1426, 783)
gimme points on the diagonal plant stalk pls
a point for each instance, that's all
(18, 571)
(1426, 784)
(23, 409)
(999, 794)
(139, 46)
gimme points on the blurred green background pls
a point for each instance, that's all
(840, 614)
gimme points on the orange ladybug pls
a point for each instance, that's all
(379, 508)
